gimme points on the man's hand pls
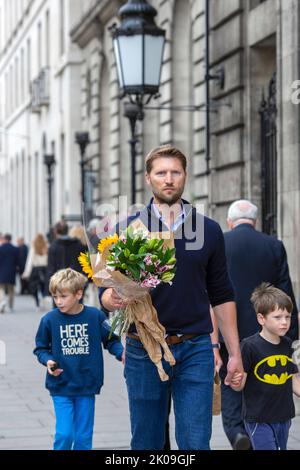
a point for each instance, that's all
(56, 372)
(235, 372)
(112, 301)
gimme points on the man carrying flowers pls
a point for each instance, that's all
(183, 309)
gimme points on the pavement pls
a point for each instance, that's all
(26, 412)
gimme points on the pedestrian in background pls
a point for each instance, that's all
(23, 253)
(9, 264)
(64, 250)
(68, 343)
(252, 258)
(77, 231)
(35, 269)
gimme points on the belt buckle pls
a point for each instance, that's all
(174, 339)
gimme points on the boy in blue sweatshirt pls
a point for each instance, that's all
(68, 343)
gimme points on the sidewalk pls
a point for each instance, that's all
(26, 416)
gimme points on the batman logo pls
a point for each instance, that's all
(273, 370)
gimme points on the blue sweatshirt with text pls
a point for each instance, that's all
(74, 342)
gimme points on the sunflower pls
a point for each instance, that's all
(84, 260)
(111, 240)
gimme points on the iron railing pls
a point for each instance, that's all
(268, 115)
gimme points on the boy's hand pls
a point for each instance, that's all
(123, 357)
(236, 380)
(56, 372)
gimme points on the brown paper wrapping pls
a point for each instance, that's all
(140, 309)
(217, 395)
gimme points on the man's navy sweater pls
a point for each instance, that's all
(74, 341)
(201, 276)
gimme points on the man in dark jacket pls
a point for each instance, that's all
(23, 253)
(63, 251)
(9, 263)
(252, 257)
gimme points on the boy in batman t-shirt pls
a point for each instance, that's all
(270, 374)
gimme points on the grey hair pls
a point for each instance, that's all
(242, 209)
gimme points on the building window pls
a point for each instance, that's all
(39, 45)
(47, 33)
(17, 84)
(22, 78)
(62, 27)
(28, 64)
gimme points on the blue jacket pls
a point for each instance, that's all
(74, 341)
(9, 262)
(201, 276)
(254, 257)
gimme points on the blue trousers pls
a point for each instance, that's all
(190, 384)
(74, 422)
(266, 436)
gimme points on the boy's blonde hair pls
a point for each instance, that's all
(267, 298)
(67, 280)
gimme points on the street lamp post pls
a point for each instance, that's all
(49, 161)
(82, 139)
(133, 112)
(138, 47)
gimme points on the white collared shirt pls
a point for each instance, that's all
(177, 222)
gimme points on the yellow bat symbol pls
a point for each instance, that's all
(270, 377)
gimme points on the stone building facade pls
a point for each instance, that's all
(254, 123)
(39, 83)
(254, 41)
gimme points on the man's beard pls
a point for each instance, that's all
(162, 199)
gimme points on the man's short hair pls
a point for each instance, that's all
(61, 228)
(267, 298)
(242, 209)
(67, 280)
(165, 151)
(7, 237)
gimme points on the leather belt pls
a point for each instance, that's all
(171, 339)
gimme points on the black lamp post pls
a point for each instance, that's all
(138, 47)
(49, 161)
(82, 139)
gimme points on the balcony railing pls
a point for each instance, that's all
(40, 90)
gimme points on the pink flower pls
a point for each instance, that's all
(148, 260)
(163, 269)
(151, 281)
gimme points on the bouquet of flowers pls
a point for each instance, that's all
(132, 264)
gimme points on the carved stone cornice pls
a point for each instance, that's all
(94, 20)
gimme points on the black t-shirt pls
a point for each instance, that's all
(268, 393)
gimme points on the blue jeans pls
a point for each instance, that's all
(190, 384)
(74, 422)
(266, 436)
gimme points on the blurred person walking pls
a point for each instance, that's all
(23, 253)
(36, 267)
(9, 264)
(63, 251)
